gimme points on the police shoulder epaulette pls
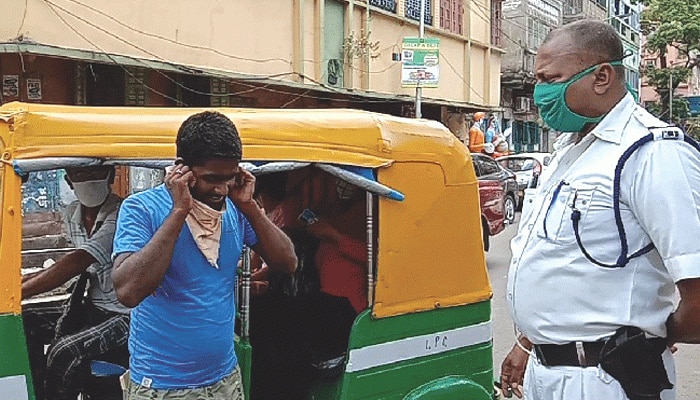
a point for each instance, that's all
(667, 132)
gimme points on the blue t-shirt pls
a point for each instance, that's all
(181, 336)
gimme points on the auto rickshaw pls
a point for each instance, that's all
(426, 331)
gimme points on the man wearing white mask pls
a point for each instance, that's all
(102, 325)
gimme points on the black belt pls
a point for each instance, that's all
(574, 354)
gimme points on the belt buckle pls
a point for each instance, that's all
(581, 354)
(540, 355)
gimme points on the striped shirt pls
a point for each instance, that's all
(98, 244)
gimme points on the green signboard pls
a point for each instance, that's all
(420, 59)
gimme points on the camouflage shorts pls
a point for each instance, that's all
(229, 388)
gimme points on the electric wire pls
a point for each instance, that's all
(177, 101)
(169, 40)
(253, 88)
(455, 71)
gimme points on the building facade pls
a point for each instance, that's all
(625, 17)
(585, 9)
(248, 53)
(526, 23)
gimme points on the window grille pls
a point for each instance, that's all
(219, 89)
(413, 11)
(386, 5)
(496, 19)
(451, 15)
(136, 91)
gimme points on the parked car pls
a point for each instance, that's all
(527, 168)
(498, 190)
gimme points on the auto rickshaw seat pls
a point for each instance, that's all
(104, 372)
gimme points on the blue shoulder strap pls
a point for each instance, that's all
(665, 133)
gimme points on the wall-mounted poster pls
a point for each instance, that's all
(33, 89)
(420, 62)
(10, 86)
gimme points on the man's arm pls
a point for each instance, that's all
(684, 325)
(274, 246)
(137, 275)
(513, 367)
(72, 264)
(668, 173)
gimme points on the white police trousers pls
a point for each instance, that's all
(575, 383)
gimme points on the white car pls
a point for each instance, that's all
(527, 168)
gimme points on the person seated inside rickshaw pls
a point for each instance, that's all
(101, 326)
(280, 357)
(341, 262)
(300, 329)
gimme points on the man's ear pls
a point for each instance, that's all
(604, 77)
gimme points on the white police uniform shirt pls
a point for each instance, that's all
(558, 296)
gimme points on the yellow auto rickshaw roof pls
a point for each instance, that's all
(429, 252)
(339, 136)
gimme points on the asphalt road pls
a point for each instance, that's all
(497, 259)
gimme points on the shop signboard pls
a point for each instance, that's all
(420, 62)
(694, 105)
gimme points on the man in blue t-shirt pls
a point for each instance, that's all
(176, 251)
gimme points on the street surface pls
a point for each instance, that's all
(497, 259)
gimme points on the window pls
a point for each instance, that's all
(219, 93)
(526, 136)
(413, 11)
(496, 19)
(635, 22)
(386, 5)
(632, 78)
(536, 32)
(487, 166)
(451, 15)
(136, 83)
(529, 62)
(476, 168)
(573, 7)
(105, 85)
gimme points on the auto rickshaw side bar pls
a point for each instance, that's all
(15, 374)
(370, 248)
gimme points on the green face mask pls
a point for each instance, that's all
(550, 99)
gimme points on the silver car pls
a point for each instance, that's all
(527, 168)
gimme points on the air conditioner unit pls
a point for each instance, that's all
(522, 104)
(335, 72)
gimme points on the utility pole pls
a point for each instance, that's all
(670, 97)
(421, 34)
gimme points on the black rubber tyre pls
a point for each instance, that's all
(509, 209)
(485, 233)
